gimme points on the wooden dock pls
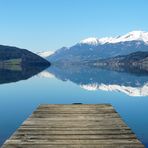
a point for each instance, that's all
(74, 126)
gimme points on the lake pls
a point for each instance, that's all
(21, 92)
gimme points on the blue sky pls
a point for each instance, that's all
(50, 24)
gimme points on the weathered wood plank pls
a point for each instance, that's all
(83, 142)
(71, 132)
(75, 146)
(74, 126)
(74, 115)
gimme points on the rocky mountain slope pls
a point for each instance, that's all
(94, 48)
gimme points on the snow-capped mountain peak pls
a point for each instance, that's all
(91, 40)
(134, 35)
(106, 40)
(45, 54)
(102, 48)
(131, 36)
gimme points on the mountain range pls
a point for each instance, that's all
(102, 48)
(136, 62)
(111, 64)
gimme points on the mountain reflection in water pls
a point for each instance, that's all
(89, 78)
(93, 78)
(17, 73)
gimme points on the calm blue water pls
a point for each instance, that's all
(65, 86)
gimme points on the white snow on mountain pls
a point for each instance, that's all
(45, 54)
(131, 36)
(91, 40)
(131, 91)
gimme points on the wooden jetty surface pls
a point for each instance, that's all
(74, 126)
